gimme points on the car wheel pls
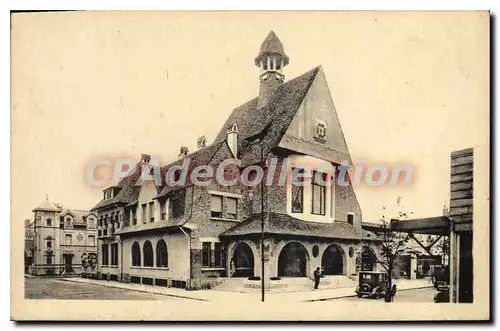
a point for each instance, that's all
(360, 295)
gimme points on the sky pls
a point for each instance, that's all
(409, 88)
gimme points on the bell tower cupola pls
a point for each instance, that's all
(271, 60)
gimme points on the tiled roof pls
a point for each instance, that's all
(271, 45)
(199, 157)
(287, 225)
(268, 123)
(78, 214)
(148, 227)
(129, 191)
(46, 205)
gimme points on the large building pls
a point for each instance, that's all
(192, 235)
(63, 240)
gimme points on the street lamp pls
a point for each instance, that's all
(264, 166)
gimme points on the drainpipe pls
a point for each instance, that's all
(189, 251)
(188, 236)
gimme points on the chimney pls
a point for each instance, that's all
(183, 151)
(145, 158)
(232, 139)
(202, 142)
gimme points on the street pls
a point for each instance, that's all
(50, 288)
(417, 295)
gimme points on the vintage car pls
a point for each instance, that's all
(441, 276)
(372, 284)
(442, 294)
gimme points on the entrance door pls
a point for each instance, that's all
(333, 261)
(242, 263)
(68, 263)
(292, 261)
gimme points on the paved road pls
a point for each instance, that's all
(417, 295)
(50, 288)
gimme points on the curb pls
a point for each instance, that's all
(354, 295)
(136, 290)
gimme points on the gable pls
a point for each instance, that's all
(147, 192)
(315, 129)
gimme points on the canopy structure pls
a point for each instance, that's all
(438, 225)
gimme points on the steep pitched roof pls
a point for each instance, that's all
(287, 225)
(202, 156)
(46, 205)
(129, 191)
(268, 123)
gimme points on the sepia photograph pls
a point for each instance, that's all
(259, 165)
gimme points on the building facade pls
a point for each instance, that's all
(64, 240)
(194, 236)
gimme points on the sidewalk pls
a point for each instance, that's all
(214, 295)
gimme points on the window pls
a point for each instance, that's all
(91, 222)
(350, 218)
(136, 254)
(68, 239)
(216, 206)
(318, 194)
(49, 222)
(206, 250)
(105, 254)
(148, 254)
(177, 208)
(232, 208)
(68, 222)
(91, 241)
(134, 216)
(49, 243)
(298, 191)
(163, 210)
(161, 254)
(218, 255)
(114, 254)
(144, 213)
(49, 259)
(152, 211)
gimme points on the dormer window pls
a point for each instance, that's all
(68, 222)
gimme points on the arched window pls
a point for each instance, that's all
(136, 254)
(49, 222)
(161, 254)
(148, 254)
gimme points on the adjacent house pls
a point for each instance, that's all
(61, 239)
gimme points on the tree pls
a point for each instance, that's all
(393, 244)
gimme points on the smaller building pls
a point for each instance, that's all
(63, 240)
(418, 262)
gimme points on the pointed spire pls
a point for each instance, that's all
(272, 45)
(271, 60)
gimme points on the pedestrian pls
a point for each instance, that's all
(393, 292)
(317, 275)
(388, 294)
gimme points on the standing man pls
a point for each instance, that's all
(317, 274)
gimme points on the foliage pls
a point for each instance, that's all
(393, 244)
